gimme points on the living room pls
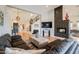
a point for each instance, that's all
(35, 29)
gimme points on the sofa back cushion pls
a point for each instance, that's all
(5, 40)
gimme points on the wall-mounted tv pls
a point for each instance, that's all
(46, 24)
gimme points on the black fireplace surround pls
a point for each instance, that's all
(61, 27)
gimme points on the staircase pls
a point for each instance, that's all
(70, 47)
(67, 47)
(35, 19)
(77, 50)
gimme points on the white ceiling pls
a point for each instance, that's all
(36, 8)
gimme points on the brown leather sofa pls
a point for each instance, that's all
(18, 42)
(4, 42)
(7, 41)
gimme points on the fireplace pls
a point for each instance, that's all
(61, 30)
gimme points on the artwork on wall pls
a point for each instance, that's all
(1, 18)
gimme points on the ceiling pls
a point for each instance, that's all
(36, 8)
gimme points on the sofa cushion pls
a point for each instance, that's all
(8, 37)
(22, 51)
(16, 37)
(5, 40)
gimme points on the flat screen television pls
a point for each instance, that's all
(46, 24)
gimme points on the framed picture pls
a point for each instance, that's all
(1, 18)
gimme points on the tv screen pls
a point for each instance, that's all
(46, 24)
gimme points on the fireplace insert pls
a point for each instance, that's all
(61, 30)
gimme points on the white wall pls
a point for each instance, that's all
(47, 14)
(10, 14)
(3, 29)
(45, 17)
(48, 17)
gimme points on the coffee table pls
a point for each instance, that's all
(41, 42)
